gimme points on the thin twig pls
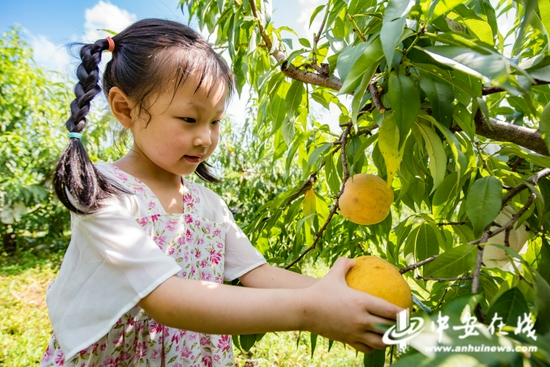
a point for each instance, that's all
(367, 130)
(493, 89)
(522, 186)
(376, 98)
(317, 36)
(477, 271)
(488, 233)
(318, 235)
(418, 264)
(451, 223)
(265, 37)
(309, 182)
(355, 28)
(443, 279)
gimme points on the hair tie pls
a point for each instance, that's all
(111, 44)
(75, 135)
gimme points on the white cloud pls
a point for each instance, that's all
(49, 55)
(105, 16)
(306, 9)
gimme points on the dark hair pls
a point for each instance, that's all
(148, 55)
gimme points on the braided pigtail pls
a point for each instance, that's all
(75, 174)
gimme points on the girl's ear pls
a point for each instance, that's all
(121, 106)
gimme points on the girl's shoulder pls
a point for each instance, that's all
(208, 203)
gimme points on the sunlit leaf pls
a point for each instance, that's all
(441, 7)
(405, 103)
(452, 263)
(355, 63)
(388, 142)
(437, 156)
(310, 205)
(483, 202)
(392, 27)
(544, 125)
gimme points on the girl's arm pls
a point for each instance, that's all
(328, 308)
(267, 276)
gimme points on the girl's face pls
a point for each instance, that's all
(183, 128)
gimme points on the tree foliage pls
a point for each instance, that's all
(442, 102)
(30, 103)
(33, 106)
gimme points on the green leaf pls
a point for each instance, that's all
(542, 304)
(392, 26)
(544, 125)
(542, 266)
(444, 200)
(475, 24)
(304, 42)
(459, 81)
(294, 97)
(375, 359)
(354, 61)
(278, 106)
(442, 7)
(544, 10)
(405, 103)
(359, 93)
(464, 120)
(483, 203)
(513, 149)
(426, 242)
(530, 7)
(437, 157)
(509, 306)
(288, 129)
(315, 12)
(464, 232)
(348, 57)
(493, 66)
(247, 341)
(441, 96)
(310, 204)
(461, 162)
(388, 143)
(313, 339)
(452, 263)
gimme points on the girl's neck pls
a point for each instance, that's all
(166, 186)
(145, 170)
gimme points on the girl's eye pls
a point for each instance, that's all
(188, 119)
(216, 122)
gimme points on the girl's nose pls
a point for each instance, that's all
(203, 137)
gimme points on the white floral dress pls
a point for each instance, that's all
(197, 244)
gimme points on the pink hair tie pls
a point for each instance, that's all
(111, 44)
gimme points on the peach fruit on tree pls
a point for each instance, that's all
(448, 102)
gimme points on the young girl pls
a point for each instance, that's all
(142, 280)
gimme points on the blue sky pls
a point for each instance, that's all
(49, 25)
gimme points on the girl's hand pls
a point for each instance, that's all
(335, 311)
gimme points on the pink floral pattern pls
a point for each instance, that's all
(197, 244)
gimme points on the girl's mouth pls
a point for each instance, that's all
(192, 158)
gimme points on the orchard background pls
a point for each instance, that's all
(435, 97)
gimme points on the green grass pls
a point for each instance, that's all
(25, 328)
